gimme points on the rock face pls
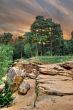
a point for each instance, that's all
(23, 88)
(54, 103)
(15, 76)
(45, 87)
(54, 92)
(55, 87)
(18, 72)
(15, 71)
(16, 83)
(55, 69)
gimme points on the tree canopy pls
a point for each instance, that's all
(47, 35)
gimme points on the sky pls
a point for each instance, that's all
(16, 16)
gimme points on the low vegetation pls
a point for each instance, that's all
(6, 52)
(6, 97)
(50, 59)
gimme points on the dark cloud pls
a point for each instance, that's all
(16, 16)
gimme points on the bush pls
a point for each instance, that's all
(6, 97)
(27, 50)
(6, 52)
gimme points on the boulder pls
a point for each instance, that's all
(16, 82)
(23, 88)
(15, 76)
(14, 71)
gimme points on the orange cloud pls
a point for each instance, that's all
(16, 16)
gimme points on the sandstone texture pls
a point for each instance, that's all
(23, 88)
(42, 87)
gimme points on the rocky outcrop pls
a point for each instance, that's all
(54, 103)
(18, 72)
(23, 88)
(15, 76)
(54, 85)
(45, 87)
(16, 83)
(55, 69)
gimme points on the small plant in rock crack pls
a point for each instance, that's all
(6, 96)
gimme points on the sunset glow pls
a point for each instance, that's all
(16, 16)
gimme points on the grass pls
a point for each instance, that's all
(6, 52)
(50, 59)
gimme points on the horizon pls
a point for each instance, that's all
(17, 16)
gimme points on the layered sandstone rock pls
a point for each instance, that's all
(23, 88)
(51, 86)
(54, 87)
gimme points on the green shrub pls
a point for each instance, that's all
(27, 50)
(50, 59)
(6, 97)
(6, 52)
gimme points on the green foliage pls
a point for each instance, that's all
(27, 50)
(51, 59)
(46, 38)
(1, 82)
(70, 45)
(6, 97)
(6, 52)
(18, 51)
(6, 38)
(46, 33)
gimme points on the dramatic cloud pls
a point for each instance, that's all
(16, 16)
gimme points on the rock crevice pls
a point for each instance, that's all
(50, 86)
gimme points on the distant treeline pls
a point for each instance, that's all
(45, 38)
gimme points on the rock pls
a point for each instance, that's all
(54, 85)
(16, 82)
(21, 68)
(54, 69)
(54, 103)
(33, 74)
(24, 102)
(27, 108)
(13, 71)
(47, 87)
(15, 76)
(23, 88)
(51, 69)
(68, 65)
(18, 72)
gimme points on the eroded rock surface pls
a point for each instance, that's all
(23, 88)
(54, 85)
(51, 87)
